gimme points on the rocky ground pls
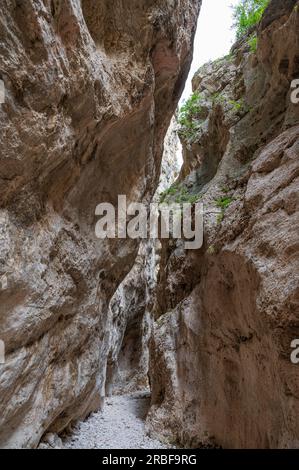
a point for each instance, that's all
(119, 426)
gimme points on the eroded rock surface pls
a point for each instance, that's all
(91, 86)
(131, 306)
(226, 314)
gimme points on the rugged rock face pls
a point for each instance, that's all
(131, 306)
(226, 314)
(128, 360)
(90, 90)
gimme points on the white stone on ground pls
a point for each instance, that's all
(120, 425)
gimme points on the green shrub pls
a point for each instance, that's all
(252, 42)
(225, 58)
(211, 250)
(168, 192)
(217, 98)
(239, 106)
(179, 195)
(248, 13)
(224, 202)
(189, 116)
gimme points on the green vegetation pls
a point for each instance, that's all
(224, 202)
(179, 195)
(247, 13)
(189, 116)
(168, 192)
(225, 190)
(220, 218)
(186, 197)
(252, 42)
(225, 58)
(211, 250)
(217, 98)
(239, 106)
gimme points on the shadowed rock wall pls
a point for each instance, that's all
(90, 90)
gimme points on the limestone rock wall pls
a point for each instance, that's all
(131, 306)
(226, 314)
(91, 87)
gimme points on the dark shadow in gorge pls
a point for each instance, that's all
(143, 404)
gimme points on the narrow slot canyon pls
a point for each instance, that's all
(132, 340)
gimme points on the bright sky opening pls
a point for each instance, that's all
(214, 36)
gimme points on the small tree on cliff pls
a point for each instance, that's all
(248, 13)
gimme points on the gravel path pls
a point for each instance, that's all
(119, 426)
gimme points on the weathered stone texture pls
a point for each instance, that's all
(91, 87)
(226, 314)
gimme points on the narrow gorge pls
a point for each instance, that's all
(203, 337)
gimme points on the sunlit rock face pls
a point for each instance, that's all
(90, 90)
(226, 314)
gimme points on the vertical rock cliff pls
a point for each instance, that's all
(91, 87)
(131, 306)
(226, 314)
